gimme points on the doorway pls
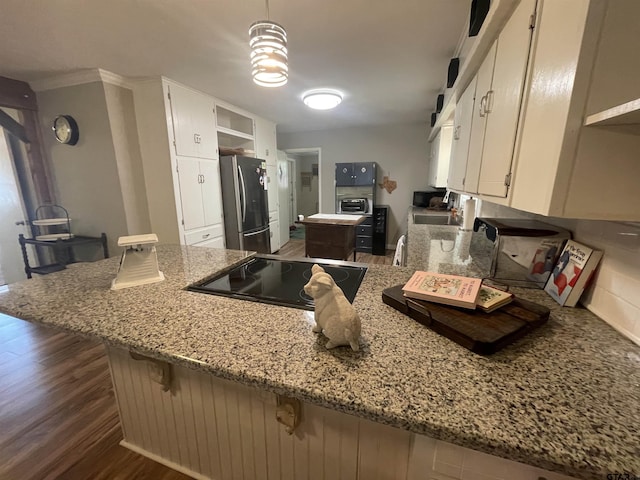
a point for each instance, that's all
(12, 209)
(306, 180)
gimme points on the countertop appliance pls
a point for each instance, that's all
(358, 206)
(270, 279)
(425, 198)
(244, 200)
(516, 252)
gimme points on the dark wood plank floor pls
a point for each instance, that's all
(58, 416)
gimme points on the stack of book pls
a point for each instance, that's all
(455, 290)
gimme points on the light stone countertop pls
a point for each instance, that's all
(564, 398)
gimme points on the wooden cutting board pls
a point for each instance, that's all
(480, 332)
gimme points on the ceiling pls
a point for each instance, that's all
(388, 57)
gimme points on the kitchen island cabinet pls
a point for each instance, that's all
(331, 236)
(564, 398)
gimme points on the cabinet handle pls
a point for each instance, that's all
(456, 133)
(488, 104)
(483, 103)
(197, 138)
(206, 235)
(202, 178)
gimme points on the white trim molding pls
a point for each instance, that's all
(80, 77)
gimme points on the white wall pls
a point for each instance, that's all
(615, 293)
(122, 121)
(400, 152)
(98, 180)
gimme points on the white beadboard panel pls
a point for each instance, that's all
(421, 458)
(212, 428)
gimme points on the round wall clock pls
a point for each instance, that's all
(65, 129)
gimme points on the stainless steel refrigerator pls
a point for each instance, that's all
(244, 199)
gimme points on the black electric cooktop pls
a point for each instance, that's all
(270, 279)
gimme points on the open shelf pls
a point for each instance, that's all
(626, 114)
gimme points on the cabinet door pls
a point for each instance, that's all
(266, 141)
(274, 232)
(364, 173)
(476, 141)
(443, 156)
(433, 160)
(461, 134)
(344, 174)
(193, 123)
(272, 190)
(504, 100)
(211, 194)
(190, 179)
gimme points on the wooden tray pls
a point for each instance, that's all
(482, 333)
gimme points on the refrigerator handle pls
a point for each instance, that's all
(244, 194)
(255, 233)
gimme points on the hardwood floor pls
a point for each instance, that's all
(58, 415)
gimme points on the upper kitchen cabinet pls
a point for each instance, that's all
(440, 157)
(266, 145)
(355, 174)
(584, 63)
(235, 128)
(194, 123)
(462, 124)
(499, 88)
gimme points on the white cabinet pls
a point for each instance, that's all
(183, 191)
(274, 232)
(199, 181)
(266, 147)
(194, 125)
(584, 61)
(462, 126)
(272, 190)
(499, 85)
(440, 157)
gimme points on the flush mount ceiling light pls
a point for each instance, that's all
(322, 99)
(268, 42)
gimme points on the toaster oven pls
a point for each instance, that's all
(354, 205)
(516, 252)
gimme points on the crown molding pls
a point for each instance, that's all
(80, 77)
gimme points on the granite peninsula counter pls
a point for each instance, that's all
(564, 398)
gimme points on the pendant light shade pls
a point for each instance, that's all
(268, 42)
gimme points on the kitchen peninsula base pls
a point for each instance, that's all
(211, 428)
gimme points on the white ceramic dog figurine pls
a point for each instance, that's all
(334, 315)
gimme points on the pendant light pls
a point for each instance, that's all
(268, 42)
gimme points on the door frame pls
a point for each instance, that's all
(318, 151)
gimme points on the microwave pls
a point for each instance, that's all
(423, 198)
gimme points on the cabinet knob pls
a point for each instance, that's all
(197, 138)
